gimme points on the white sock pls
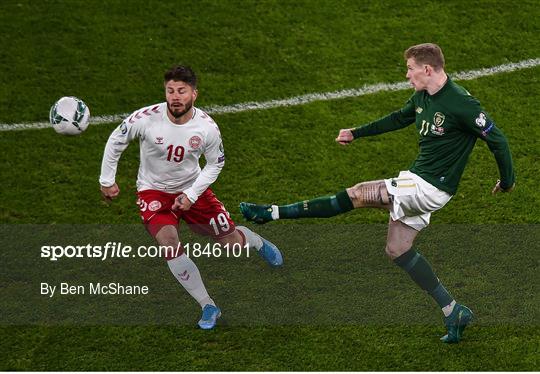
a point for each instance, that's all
(253, 240)
(275, 212)
(447, 310)
(187, 273)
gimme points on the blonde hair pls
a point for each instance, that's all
(426, 53)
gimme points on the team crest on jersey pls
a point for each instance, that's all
(436, 128)
(419, 110)
(481, 120)
(154, 205)
(195, 142)
(159, 140)
(438, 119)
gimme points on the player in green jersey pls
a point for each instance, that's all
(448, 121)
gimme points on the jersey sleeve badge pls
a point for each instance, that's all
(481, 120)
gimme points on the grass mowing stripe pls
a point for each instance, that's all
(367, 89)
(303, 99)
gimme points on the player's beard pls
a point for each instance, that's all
(177, 113)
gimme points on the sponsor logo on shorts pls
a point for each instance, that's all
(159, 140)
(419, 110)
(142, 205)
(154, 205)
(195, 142)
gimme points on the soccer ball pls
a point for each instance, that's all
(69, 116)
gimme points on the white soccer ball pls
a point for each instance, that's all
(69, 116)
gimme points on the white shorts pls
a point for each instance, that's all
(414, 199)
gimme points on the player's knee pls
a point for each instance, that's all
(394, 250)
(167, 237)
(391, 251)
(168, 241)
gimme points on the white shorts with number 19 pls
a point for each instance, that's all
(414, 199)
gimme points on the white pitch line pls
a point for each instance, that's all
(303, 99)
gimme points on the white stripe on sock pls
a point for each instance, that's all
(447, 310)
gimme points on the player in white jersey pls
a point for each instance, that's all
(171, 185)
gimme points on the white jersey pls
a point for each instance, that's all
(169, 153)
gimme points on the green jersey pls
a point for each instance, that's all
(448, 124)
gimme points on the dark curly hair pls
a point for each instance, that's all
(181, 73)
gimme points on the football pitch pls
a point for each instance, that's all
(338, 304)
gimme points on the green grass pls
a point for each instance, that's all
(359, 348)
(113, 54)
(330, 271)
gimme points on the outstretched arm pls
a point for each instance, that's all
(394, 121)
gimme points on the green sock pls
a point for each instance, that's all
(322, 207)
(422, 274)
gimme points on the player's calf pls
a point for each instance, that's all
(320, 207)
